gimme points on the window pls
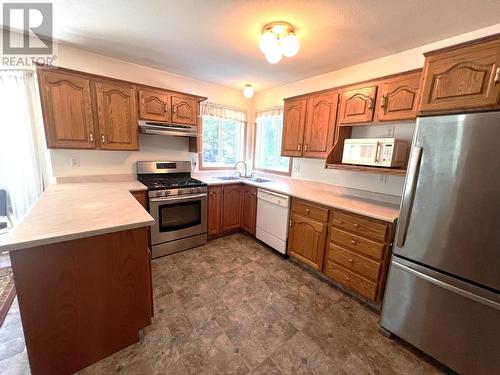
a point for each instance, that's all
(223, 136)
(268, 134)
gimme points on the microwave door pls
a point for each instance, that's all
(362, 153)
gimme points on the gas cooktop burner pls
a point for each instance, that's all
(171, 183)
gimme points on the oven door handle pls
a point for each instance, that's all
(177, 198)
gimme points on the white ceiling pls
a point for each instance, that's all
(217, 40)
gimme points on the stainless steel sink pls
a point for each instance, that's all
(260, 180)
(227, 178)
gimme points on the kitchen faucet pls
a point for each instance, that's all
(245, 171)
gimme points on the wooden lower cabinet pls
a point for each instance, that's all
(248, 208)
(231, 210)
(307, 235)
(141, 196)
(214, 226)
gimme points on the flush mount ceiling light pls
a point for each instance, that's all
(248, 91)
(278, 39)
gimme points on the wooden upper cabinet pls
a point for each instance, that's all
(294, 116)
(67, 110)
(357, 105)
(154, 105)
(184, 109)
(249, 208)
(319, 130)
(231, 211)
(214, 210)
(462, 77)
(398, 97)
(117, 116)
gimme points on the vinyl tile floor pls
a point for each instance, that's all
(236, 307)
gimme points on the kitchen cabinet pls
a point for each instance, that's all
(399, 97)
(308, 232)
(358, 252)
(154, 105)
(249, 208)
(462, 78)
(67, 110)
(357, 104)
(117, 116)
(231, 208)
(319, 129)
(141, 196)
(184, 109)
(294, 116)
(214, 210)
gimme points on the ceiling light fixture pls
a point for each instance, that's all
(248, 91)
(278, 39)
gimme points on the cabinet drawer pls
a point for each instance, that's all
(353, 262)
(359, 244)
(360, 225)
(349, 280)
(310, 210)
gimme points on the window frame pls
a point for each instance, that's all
(265, 170)
(201, 167)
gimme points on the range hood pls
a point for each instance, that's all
(162, 128)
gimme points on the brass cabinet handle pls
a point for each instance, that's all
(305, 147)
(166, 107)
(356, 226)
(353, 242)
(91, 136)
(383, 102)
(347, 279)
(290, 222)
(299, 147)
(174, 109)
(308, 210)
(103, 138)
(350, 260)
(370, 103)
(497, 75)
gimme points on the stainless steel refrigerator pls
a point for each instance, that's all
(443, 289)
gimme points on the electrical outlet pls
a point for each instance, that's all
(382, 179)
(296, 167)
(390, 131)
(74, 162)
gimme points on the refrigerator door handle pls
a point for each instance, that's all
(447, 286)
(408, 195)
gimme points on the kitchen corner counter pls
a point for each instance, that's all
(321, 193)
(79, 210)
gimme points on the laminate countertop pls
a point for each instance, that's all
(78, 210)
(356, 201)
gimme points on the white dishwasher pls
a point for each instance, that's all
(273, 211)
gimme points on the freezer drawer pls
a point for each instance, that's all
(452, 321)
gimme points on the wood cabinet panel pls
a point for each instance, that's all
(319, 129)
(249, 208)
(184, 109)
(363, 226)
(154, 105)
(352, 281)
(214, 210)
(67, 110)
(117, 116)
(142, 197)
(357, 105)
(354, 262)
(310, 210)
(294, 116)
(362, 245)
(306, 240)
(399, 98)
(464, 78)
(231, 214)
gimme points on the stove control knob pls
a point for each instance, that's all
(167, 192)
(193, 190)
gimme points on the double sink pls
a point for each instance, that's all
(259, 180)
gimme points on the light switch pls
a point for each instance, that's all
(74, 162)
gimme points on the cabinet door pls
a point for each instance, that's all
(399, 98)
(320, 124)
(357, 105)
(231, 212)
(117, 116)
(464, 78)
(249, 209)
(184, 109)
(214, 210)
(153, 105)
(306, 240)
(294, 116)
(67, 110)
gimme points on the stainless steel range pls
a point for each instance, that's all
(177, 202)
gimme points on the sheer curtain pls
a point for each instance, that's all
(22, 156)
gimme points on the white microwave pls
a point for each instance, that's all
(378, 152)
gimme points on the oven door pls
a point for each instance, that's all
(178, 217)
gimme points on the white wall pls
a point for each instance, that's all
(151, 147)
(313, 169)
